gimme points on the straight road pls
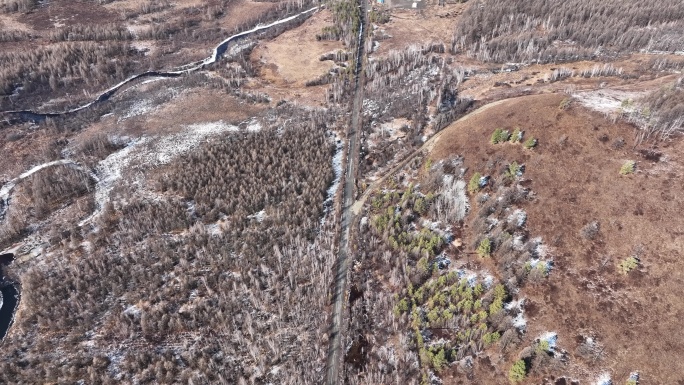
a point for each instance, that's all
(336, 349)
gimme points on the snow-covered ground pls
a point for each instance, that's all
(551, 338)
(604, 379)
(518, 218)
(517, 306)
(606, 101)
(146, 152)
(472, 278)
(6, 189)
(337, 168)
(541, 256)
(259, 216)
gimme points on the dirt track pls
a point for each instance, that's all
(428, 145)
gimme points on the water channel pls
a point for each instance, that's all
(9, 297)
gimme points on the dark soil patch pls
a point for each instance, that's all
(651, 155)
(354, 294)
(357, 352)
(531, 309)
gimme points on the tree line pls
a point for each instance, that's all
(36, 74)
(542, 31)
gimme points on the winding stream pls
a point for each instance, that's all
(218, 51)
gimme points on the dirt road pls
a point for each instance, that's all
(336, 349)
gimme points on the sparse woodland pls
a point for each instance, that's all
(222, 280)
(63, 66)
(39, 195)
(543, 31)
(7, 6)
(420, 73)
(346, 22)
(419, 305)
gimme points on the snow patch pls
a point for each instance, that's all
(551, 339)
(214, 229)
(518, 218)
(540, 250)
(634, 377)
(471, 277)
(133, 310)
(259, 216)
(604, 379)
(337, 169)
(109, 171)
(488, 281)
(148, 152)
(173, 145)
(518, 242)
(605, 101)
(540, 255)
(140, 107)
(114, 368)
(370, 108)
(519, 322)
(254, 126)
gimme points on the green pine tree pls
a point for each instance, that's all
(517, 372)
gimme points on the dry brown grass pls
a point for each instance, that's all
(9, 23)
(635, 317)
(292, 58)
(240, 10)
(194, 106)
(287, 62)
(200, 106)
(65, 12)
(410, 27)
